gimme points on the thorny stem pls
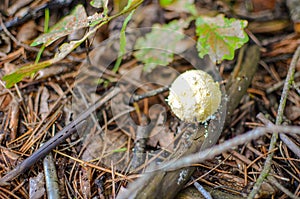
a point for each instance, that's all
(267, 166)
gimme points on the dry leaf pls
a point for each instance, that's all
(27, 32)
(36, 186)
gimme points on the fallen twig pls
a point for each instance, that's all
(289, 143)
(225, 146)
(268, 162)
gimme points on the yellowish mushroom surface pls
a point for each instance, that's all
(194, 96)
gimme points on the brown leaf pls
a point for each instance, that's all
(36, 186)
(292, 112)
(27, 32)
(14, 119)
(5, 44)
(44, 108)
(5, 100)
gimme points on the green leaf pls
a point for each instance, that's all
(46, 28)
(65, 48)
(186, 6)
(24, 71)
(99, 3)
(119, 150)
(27, 70)
(76, 20)
(165, 3)
(219, 37)
(122, 50)
(158, 46)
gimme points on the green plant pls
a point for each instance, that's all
(122, 42)
(76, 20)
(218, 37)
(149, 48)
(46, 29)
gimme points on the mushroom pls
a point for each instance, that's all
(194, 96)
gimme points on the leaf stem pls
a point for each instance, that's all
(46, 29)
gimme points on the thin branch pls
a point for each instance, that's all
(281, 188)
(268, 162)
(288, 142)
(227, 145)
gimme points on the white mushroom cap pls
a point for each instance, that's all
(194, 96)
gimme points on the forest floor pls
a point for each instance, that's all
(115, 135)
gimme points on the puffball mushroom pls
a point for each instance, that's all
(194, 96)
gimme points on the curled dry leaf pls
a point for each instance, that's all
(10, 156)
(292, 112)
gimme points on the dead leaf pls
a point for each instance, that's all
(159, 133)
(27, 32)
(51, 71)
(36, 186)
(17, 5)
(106, 148)
(86, 182)
(262, 5)
(14, 119)
(76, 20)
(5, 44)
(292, 112)
(10, 156)
(5, 100)
(44, 108)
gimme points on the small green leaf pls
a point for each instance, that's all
(99, 3)
(158, 46)
(219, 37)
(25, 71)
(76, 20)
(165, 3)
(119, 150)
(122, 50)
(187, 6)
